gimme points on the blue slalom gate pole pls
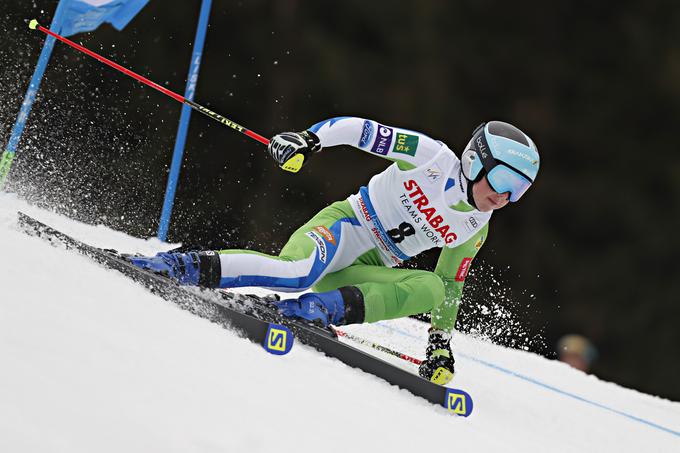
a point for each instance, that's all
(29, 98)
(181, 138)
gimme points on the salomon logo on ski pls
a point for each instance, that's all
(458, 402)
(279, 340)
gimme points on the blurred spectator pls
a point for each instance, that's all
(577, 351)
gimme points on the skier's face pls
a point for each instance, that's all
(486, 198)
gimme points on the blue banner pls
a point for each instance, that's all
(71, 17)
(86, 15)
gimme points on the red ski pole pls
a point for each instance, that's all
(379, 347)
(33, 25)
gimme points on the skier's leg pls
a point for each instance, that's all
(388, 293)
(331, 240)
(236, 268)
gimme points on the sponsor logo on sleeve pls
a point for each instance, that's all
(406, 144)
(463, 269)
(326, 233)
(366, 134)
(383, 140)
(320, 245)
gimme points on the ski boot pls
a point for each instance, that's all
(339, 307)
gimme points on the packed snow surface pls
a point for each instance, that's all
(91, 361)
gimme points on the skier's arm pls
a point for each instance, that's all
(452, 267)
(408, 148)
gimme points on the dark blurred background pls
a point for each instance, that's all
(592, 248)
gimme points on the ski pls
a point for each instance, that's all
(254, 321)
(257, 321)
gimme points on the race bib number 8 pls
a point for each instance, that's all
(399, 234)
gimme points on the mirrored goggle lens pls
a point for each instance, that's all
(503, 179)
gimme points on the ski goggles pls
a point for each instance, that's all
(501, 176)
(504, 179)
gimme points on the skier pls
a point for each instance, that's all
(346, 253)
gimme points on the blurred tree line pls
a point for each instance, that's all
(591, 249)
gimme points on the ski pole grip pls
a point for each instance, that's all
(33, 24)
(294, 164)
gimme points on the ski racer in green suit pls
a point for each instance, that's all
(346, 253)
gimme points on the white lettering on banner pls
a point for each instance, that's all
(97, 2)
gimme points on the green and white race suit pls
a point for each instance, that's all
(417, 203)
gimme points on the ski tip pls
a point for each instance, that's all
(33, 24)
(279, 340)
(458, 402)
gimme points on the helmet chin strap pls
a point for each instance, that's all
(471, 198)
(481, 148)
(469, 184)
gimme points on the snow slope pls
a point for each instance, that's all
(90, 361)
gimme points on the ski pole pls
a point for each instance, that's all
(377, 346)
(293, 165)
